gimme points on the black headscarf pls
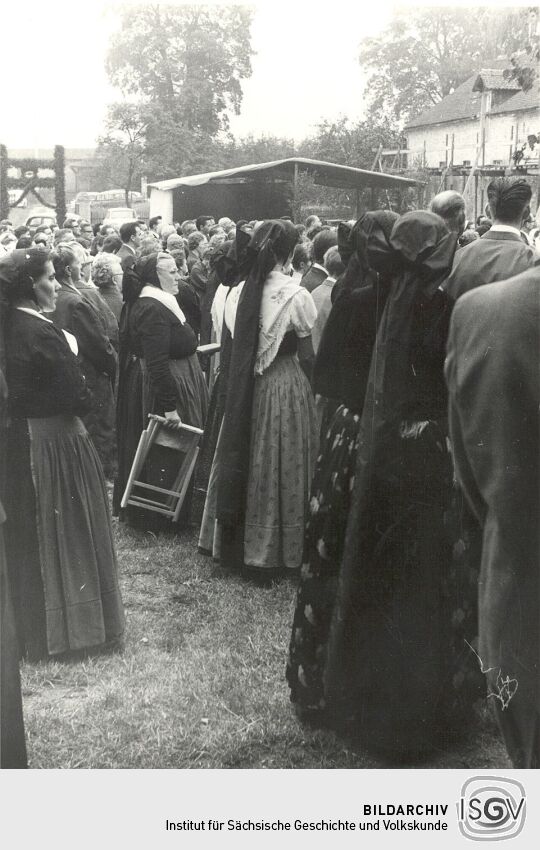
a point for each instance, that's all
(343, 359)
(260, 258)
(143, 272)
(355, 253)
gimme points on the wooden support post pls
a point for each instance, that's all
(475, 198)
(295, 211)
(377, 158)
(357, 202)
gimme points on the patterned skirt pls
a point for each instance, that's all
(323, 549)
(283, 450)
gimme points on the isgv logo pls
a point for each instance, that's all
(491, 808)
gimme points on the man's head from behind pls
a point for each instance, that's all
(450, 206)
(333, 262)
(509, 200)
(323, 241)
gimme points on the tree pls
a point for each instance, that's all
(424, 54)
(525, 63)
(262, 149)
(188, 60)
(351, 144)
(121, 150)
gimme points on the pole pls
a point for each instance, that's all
(295, 211)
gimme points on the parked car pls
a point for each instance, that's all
(118, 216)
(39, 216)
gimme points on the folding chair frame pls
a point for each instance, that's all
(147, 440)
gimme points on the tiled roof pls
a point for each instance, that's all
(495, 80)
(464, 102)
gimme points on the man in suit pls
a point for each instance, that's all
(493, 377)
(130, 234)
(317, 273)
(501, 252)
(76, 314)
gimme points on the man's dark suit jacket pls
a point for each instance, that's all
(127, 256)
(314, 277)
(496, 256)
(74, 314)
(493, 376)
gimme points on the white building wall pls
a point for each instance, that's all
(501, 133)
(161, 203)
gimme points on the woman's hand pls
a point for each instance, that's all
(172, 417)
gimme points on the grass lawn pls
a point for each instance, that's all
(200, 684)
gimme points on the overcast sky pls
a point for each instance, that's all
(55, 88)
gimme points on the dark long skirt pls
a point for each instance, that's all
(399, 666)
(163, 463)
(100, 424)
(12, 742)
(323, 549)
(60, 548)
(130, 416)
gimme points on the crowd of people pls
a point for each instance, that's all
(370, 430)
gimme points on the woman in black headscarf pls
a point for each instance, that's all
(268, 440)
(397, 662)
(155, 332)
(340, 378)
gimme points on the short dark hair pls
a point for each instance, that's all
(62, 257)
(111, 244)
(508, 198)
(127, 230)
(24, 241)
(42, 228)
(483, 228)
(19, 286)
(154, 220)
(202, 219)
(311, 219)
(21, 230)
(323, 241)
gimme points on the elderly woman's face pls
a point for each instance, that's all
(168, 275)
(46, 289)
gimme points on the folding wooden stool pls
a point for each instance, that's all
(162, 439)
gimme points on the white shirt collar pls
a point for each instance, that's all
(34, 313)
(504, 228)
(318, 266)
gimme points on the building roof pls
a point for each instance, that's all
(324, 173)
(494, 79)
(464, 102)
